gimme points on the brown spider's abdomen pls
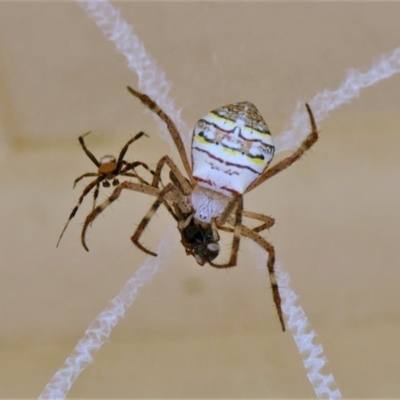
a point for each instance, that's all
(107, 168)
(107, 164)
(231, 147)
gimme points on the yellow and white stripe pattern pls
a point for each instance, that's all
(231, 147)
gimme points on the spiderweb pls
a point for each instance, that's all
(154, 82)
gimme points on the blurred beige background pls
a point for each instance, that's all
(198, 332)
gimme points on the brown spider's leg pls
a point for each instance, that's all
(96, 195)
(125, 149)
(135, 164)
(286, 162)
(162, 196)
(236, 236)
(245, 231)
(87, 189)
(135, 175)
(86, 150)
(131, 167)
(268, 221)
(184, 185)
(84, 176)
(173, 130)
(136, 187)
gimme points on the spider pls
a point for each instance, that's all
(231, 150)
(108, 170)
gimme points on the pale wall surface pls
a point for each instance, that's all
(199, 332)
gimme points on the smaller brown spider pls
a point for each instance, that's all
(108, 170)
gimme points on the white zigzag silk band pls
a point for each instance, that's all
(231, 147)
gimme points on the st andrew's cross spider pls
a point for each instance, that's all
(231, 150)
(108, 171)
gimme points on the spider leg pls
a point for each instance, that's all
(125, 149)
(226, 229)
(184, 185)
(131, 167)
(214, 228)
(86, 150)
(247, 232)
(171, 211)
(228, 210)
(288, 161)
(268, 222)
(84, 176)
(96, 195)
(236, 236)
(87, 189)
(135, 175)
(176, 181)
(114, 196)
(170, 192)
(173, 130)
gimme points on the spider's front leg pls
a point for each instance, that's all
(169, 193)
(238, 201)
(87, 151)
(136, 187)
(183, 183)
(173, 130)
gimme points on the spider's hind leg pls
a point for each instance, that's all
(308, 142)
(236, 231)
(271, 268)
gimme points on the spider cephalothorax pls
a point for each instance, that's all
(108, 169)
(231, 150)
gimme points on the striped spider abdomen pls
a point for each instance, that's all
(231, 147)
